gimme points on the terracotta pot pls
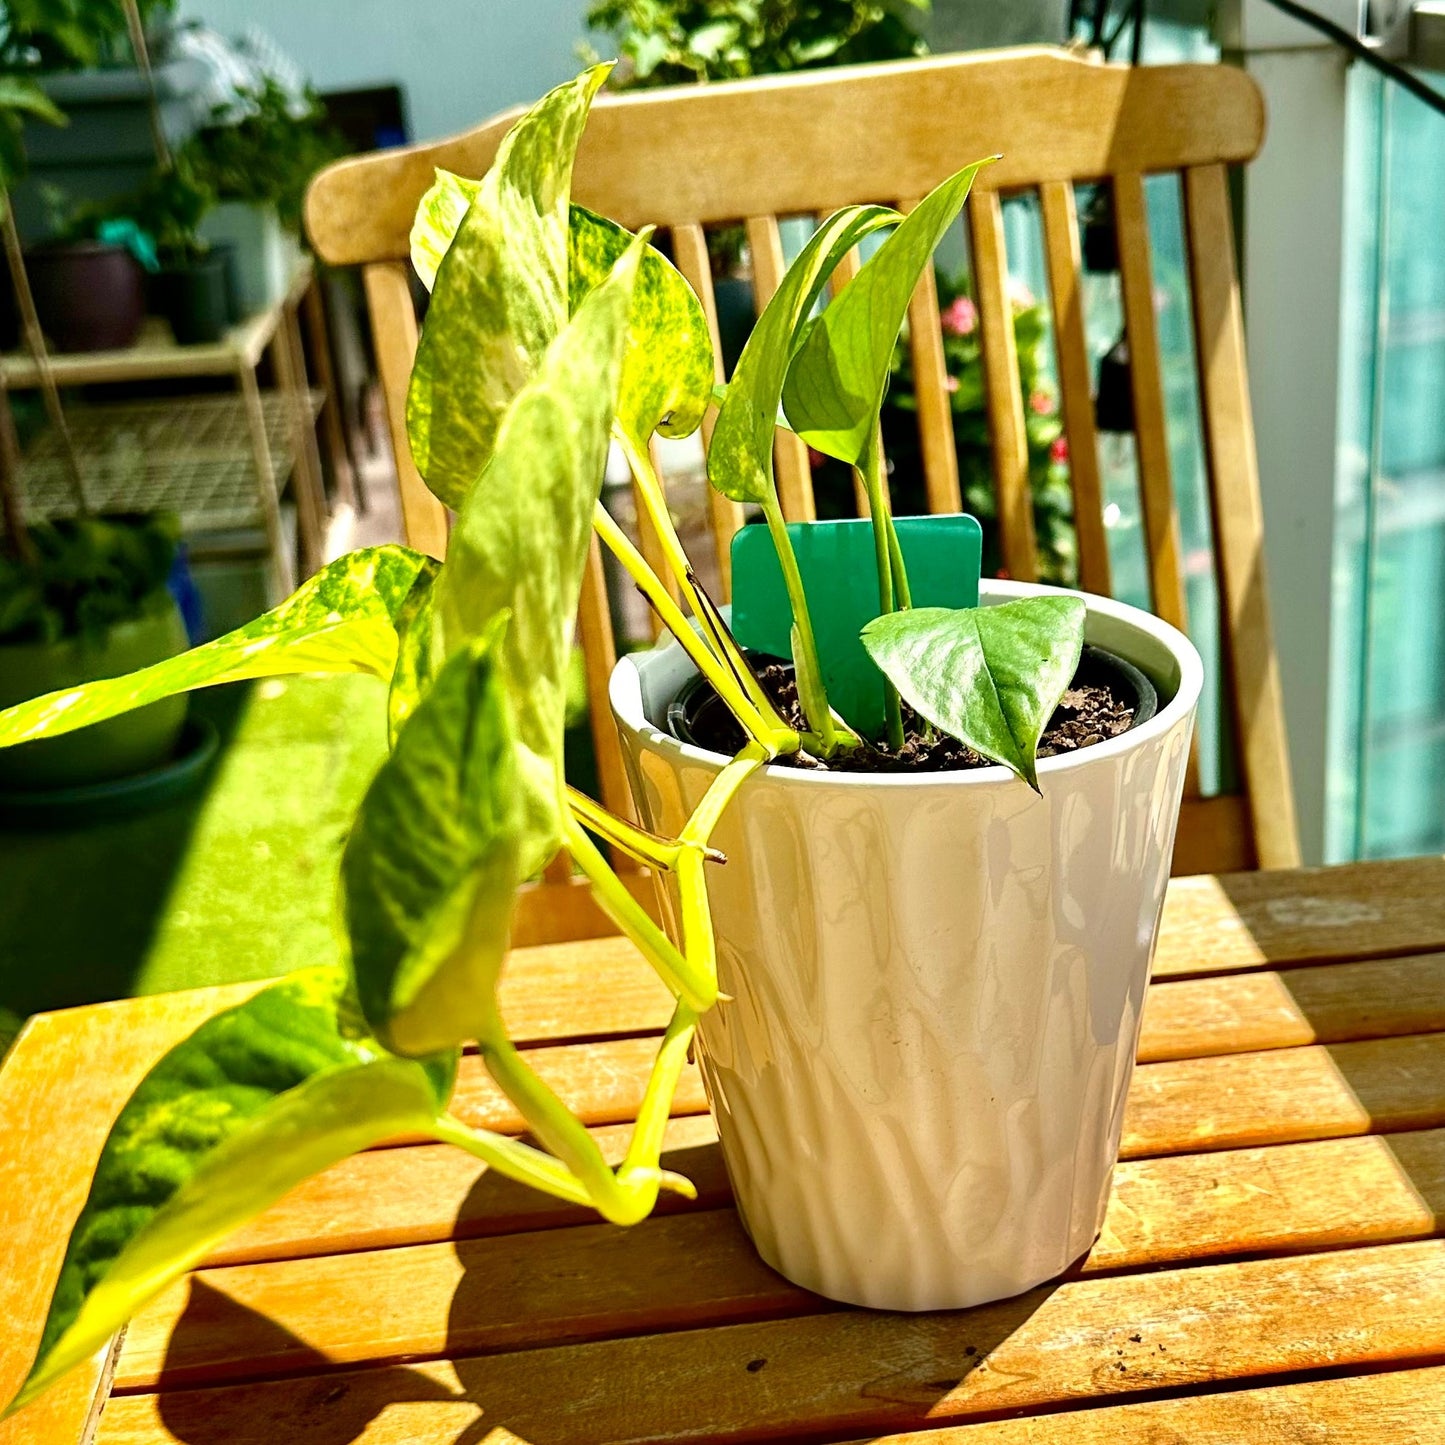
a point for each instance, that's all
(934, 987)
(89, 296)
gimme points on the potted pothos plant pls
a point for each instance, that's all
(917, 1014)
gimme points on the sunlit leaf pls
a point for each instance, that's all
(521, 540)
(837, 377)
(667, 372)
(499, 295)
(259, 1098)
(989, 676)
(430, 870)
(667, 369)
(740, 458)
(342, 620)
(416, 651)
(438, 218)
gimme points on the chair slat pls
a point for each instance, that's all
(1061, 245)
(930, 388)
(689, 250)
(790, 456)
(1156, 488)
(1156, 496)
(850, 140)
(599, 653)
(394, 333)
(1237, 518)
(1001, 388)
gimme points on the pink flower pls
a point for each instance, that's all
(1059, 452)
(1041, 403)
(959, 317)
(1019, 295)
(950, 384)
(815, 458)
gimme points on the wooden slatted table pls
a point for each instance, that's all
(1271, 1268)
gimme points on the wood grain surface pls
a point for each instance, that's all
(1271, 1246)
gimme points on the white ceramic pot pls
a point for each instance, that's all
(936, 985)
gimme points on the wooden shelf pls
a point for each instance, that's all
(157, 356)
(189, 455)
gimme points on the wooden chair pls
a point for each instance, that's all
(757, 150)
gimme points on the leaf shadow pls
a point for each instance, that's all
(324, 1407)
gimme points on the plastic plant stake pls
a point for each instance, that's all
(943, 555)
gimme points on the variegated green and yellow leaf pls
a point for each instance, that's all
(256, 1100)
(430, 870)
(342, 620)
(499, 295)
(521, 540)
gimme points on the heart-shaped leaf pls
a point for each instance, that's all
(256, 1100)
(989, 676)
(521, 540)
(430, 870)
(343, 620)
(740, 459)
(500, 293)
(836, 380)
(667, 369)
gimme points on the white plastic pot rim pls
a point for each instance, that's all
(1151, 644)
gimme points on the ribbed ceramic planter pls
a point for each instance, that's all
(935, 988)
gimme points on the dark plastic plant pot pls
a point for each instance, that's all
(9, 320)
(195, 299)
(89, 296)
(697, 711)
(132, 743)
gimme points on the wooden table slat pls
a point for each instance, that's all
(1401, 1407)
(1237, 1013)
(1323, 1091)
(520, 1290)
(855, 1371)
(1355, 1190)
(1217, 924)
(1288, 1120)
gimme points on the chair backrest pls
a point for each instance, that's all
(754, 151)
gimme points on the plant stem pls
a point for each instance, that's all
(777, 736)
(808, 671)
(885, 546)
(654, 501)
(638, 843)
(696, 985)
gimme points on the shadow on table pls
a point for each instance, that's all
(787, 1357)
(330, 1405)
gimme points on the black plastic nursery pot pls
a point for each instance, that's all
(89, 296)
(697, 712)
(195, 298)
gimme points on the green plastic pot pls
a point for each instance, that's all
(119, 746)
